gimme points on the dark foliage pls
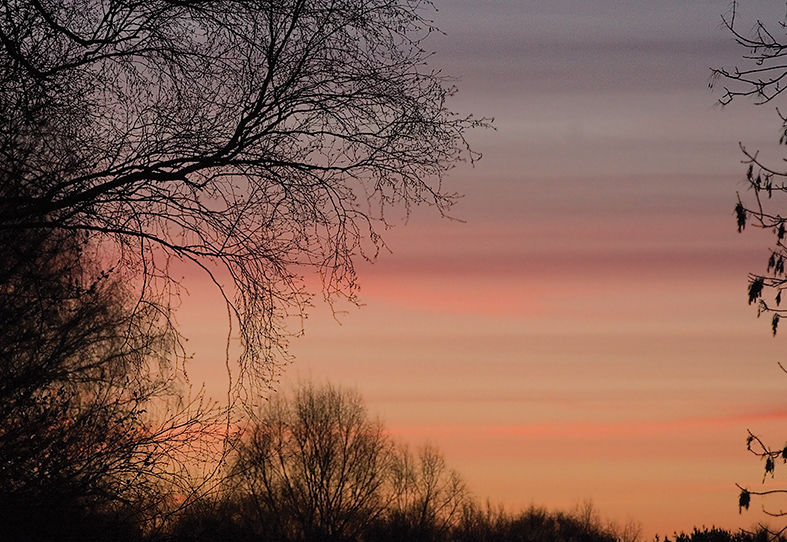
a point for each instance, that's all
(91, 430)
(475, 525)
(714, 534)
(532, 525)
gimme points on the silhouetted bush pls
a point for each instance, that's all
(715, 534)
(532, 525)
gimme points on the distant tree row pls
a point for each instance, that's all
(714, 534)
(312, 467)
(315, 467)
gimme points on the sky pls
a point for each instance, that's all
(581, 331)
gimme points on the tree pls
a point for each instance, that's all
(259, 140)
(428, 498)
(94, 441)
(763, 79)
(314, 467)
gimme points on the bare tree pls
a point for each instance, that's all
(762, 78)
(315, 467)
(260, 140)
(429, 498)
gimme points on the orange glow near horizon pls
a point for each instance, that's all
(584, 333)
(594, 429)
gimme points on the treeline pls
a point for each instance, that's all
(315, 467)
(714, 534)
(225, 521)
(310, 466)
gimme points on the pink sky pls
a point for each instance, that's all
(584, 333)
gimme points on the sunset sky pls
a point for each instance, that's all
(583, 332)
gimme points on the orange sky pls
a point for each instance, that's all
(584, 333)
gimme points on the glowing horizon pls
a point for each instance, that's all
(584, 332)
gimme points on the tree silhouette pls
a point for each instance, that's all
(94, 441)
(315, 467)
(763, 79)
(259, 140)
(428, 498)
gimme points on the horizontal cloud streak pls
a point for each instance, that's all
(593, 429)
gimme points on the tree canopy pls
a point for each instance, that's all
(261, 141)
(258, 140)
